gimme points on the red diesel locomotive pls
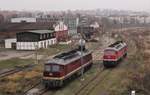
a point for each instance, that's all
(114, 53)
(65, 66)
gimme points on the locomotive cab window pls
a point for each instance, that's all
(52, 68)
(55, 68)
(47, 68)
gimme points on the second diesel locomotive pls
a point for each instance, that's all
(65, 66)
(114, 53)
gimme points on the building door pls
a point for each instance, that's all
(45, 45)
(13, 45)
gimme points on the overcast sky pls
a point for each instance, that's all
(46, 5)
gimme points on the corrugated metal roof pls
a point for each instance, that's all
(42, 31)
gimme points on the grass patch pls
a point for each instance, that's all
(19, 82)
(53, 49)
(10, 63)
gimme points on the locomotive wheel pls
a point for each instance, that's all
(46, 86)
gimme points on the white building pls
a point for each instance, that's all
(10, 43)
(147, 19)
(95, 25)
(35, 39)
(23, 19)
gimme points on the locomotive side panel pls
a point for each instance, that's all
(120, 54)
(65, 71)
(75, 66)
(72, 67)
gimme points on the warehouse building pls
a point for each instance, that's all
(89, 30)
(32, 40)
(10, 43)
(23, 19)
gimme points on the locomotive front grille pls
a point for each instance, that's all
(53, 83)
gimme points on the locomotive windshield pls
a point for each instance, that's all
(55, 68)
(47, 68)
(52, 68)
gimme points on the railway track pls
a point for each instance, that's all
(89, 86)
(95, 84)
(34, 86)
(41, 90)
(83, 88)
(7, 73)
(15, 70)
(97, 79)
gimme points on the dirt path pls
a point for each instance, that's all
(8, 54)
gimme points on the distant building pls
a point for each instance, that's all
(117, 19)
(61, 31)
(147, 20)
(45, 20)
(23, 19)
(71, 22)
(95, 25)
(89, 30)
(72, 32)
(10, 43)
(130, 19)
(9, 30)
(1, 18)
(86, 30)
(35, 39)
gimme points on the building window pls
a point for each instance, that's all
(55, 68)
(41, 44)
(40, 36)
(49, 42)
(47, 35)
(44, 36)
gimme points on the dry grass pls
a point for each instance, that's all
(10, 88)
(18, 82)
(138, 72)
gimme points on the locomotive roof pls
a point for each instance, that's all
(116, 46)
(67, 57)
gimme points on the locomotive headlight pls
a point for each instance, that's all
(50, 74)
